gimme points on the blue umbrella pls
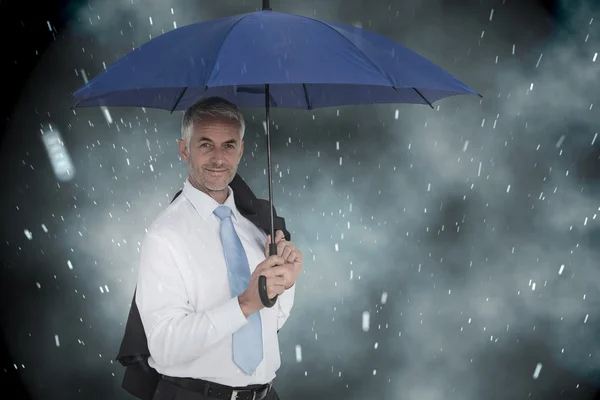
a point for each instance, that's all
(271, 59)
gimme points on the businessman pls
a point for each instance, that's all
(208, 334)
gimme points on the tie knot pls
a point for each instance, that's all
(222, 212)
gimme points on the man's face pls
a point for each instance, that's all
(214, 152)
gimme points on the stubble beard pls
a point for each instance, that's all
(199, 175)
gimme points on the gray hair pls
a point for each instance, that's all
(210, 107)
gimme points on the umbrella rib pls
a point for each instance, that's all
(354, 45)
(221, 46)
(423, 97)
(179, 99)
(306, 97)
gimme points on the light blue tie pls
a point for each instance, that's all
(247, 341)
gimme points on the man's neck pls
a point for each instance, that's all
(220, 196)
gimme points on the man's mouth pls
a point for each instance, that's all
(216, 170)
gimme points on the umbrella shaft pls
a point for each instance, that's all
(266, 5)
(262, 280)
(269, 163)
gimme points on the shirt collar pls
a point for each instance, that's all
(204, 204)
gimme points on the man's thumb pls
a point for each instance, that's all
(267, 245)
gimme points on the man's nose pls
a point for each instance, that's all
(218, 154)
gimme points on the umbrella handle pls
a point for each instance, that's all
(262, 292)
(262, 283)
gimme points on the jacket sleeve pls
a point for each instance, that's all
(176, 333)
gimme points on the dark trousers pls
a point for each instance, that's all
(169, 391)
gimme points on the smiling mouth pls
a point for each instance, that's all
(216, 170)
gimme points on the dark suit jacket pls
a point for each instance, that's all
(140, 379)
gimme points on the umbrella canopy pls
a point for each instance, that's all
(308, 64)
(272, 59)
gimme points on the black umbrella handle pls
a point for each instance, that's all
(262, 283)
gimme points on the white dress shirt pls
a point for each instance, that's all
(184, 298)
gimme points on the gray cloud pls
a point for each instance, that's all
(455, 251)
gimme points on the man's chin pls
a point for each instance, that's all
(216, 186)
(214, 183)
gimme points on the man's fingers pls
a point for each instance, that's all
(279, 235)
(276, 281)
(297, 257)
(273, 291)
(289, 254)
(278, 270)
(281, 248)
(275, 285)
(284, 249)
(271, 261)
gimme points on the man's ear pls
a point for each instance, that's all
(183, 150)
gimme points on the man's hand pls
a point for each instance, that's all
(274, 269)
(292, 257)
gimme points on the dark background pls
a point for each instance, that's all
(540, 325)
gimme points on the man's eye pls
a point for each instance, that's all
(204, 144)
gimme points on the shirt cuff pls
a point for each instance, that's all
(285, 302)
(228, 317)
